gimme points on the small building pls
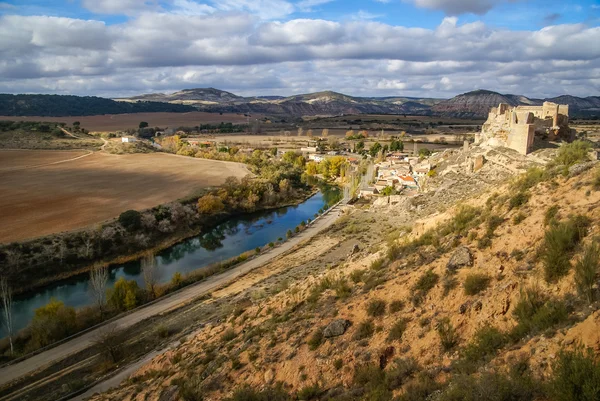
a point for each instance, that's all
(315, 157)
(128, 139)
(308, 149)
(408, 181)
(368, 192)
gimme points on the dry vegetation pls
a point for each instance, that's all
(412, 320)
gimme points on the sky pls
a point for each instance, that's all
(421, 48)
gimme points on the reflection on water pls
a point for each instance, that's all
(225, 241)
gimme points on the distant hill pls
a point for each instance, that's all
(67, 105)
(478, 103)
(318, 103)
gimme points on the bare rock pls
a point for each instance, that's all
(461, 257)
(336, 328)
(477, 305)
(464, 308)
(269, 376)
(580, 168)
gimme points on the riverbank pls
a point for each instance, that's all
(164, 307)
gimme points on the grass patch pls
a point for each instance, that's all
(475, 283)
(376, 308)
(550, 214)
(396, 306)
(315, 340)
(586, 272)
(426, 282)
(448, 336)
(397, 330)
(364, 330)
(535, 312)
(483, 347)
(560, 240)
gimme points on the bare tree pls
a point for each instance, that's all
(325, 132)
(6, 295)
(98, 281)
(300, 131)
(110, 343)
(61, 250)
(150, 273)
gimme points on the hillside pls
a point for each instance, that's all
(413, 300)
(67, 105)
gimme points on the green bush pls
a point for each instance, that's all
(364, 330)
(401, 370)
(52, 322)
(378, 264)
(518, 200)
(397, 330)
(572, 153)
(427, 281)
(247, 393)
(376, 308)
(559, 243)
(357, 275)
(342, 288)
(576, 377)
(396, 306)
(315, 340)
(448, 336)
(550, 214)
(586, 272)
(449, 282)
(475, 283)
(310, 392)
(535, 312)
(518, 218)
(228, 335)
(482, 348)
(131, 220)
(532, 177)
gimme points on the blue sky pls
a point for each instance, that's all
(374, 47)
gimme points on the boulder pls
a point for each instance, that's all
(460, 258)
(580, 168)
(336, 328)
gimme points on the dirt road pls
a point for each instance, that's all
(9, 373)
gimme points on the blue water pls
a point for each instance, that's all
(225, 241)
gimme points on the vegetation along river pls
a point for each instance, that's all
(225, 241)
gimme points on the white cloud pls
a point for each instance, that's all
(266, 9)
(236, 51)
(307, 5)
(127, 7)
(457, 7)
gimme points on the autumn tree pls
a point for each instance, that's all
(98, 281)
(309, 133)
(311, 168)
(300, 131)
(52, 323)
(325, 132)
(210, 204)
(124, 295)
(150, 274)
(6, 299)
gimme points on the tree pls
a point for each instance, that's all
(131, 220)
(210, 204)
(374, 149)
(52, 323)
(311, 168)
(284, 186)
(6, 298)
(325, 132)
(109, 342)
(143, 124)
(300, 131)
(124, 295)
(150, 273)
(309, 133)
(98, 281)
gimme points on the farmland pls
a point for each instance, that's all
(115, 122)
(40, 196)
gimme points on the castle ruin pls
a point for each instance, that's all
(516, 127)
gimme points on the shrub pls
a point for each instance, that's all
(420, 389)
(576, 376)
(397, 330)
(176, 280)
(310, 392)
(52, 322)
(191, 390)
(228, 335)
(518, 218)
(572, 153)
(482, 348)
(378, 264)
(493, 223)
(131, 220)
(124, 295)
(560, 241)
(448, 336)
(550, 214)
(247, 393)
(586, 272)
(376, 308)
(427, 281)
(210, 204)
(338, 363)
(401, 370)
(449, 282)
(396, 306)
(532, 177)
(364, 330)
(536, 312)
(357, 275)
(475, 283)
(315, 340)
(518, 200)
(342, 288)
(464, 219)
(289, 234)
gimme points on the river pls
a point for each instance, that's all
(225, 241)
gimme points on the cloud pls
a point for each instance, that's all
(265, 9)
(307, 5)
(239, 52)
(127, 7)
(551, 18)
(457, 7)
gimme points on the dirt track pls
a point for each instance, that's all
(167, 304)
(46, 196)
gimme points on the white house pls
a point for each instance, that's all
(128, 139)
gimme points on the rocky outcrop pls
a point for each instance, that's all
(336, 328)
(461, 257)
(475, 104)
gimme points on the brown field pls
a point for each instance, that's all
(52, 198)
(115, 122)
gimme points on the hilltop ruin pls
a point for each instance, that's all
(516, 127)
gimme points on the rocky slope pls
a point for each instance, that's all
(433, 310)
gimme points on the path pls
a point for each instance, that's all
(47, 164)
(68, 133)
(169, 303)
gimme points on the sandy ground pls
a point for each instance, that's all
(17, 159)
(75, 194)
(113, 122)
